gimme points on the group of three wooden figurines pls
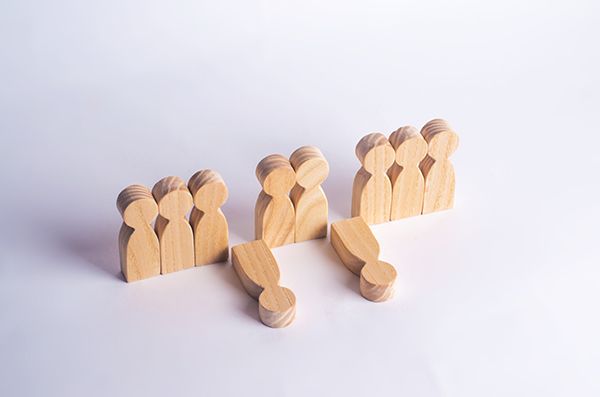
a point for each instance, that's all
(408, 174)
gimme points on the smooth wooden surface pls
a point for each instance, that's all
(209, 225)
(138, 244)
(437, 169)
(172, 227)
(308, 197)
(358, 249)
(259, 273)
(274, 215)
(372, 189)
(408, 184)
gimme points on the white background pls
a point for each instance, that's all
(498, 297)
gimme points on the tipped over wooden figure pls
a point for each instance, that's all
(358, 249)
(259, 273)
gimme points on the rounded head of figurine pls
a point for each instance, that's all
(310, 165)
(208, 189)
(375, 153)
(276, 175)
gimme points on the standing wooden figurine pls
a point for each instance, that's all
(258, 271)
(358, 249)
(274, 212)
(372, 189)
(138, 244)
(310, 202)
(436, 167)
(211, 236)
(408, 184)
(173, 229)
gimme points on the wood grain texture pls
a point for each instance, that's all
(274, 215)
(358, 249)
(372, 189)
(138, 244)
(172, 227)
(259, 273)
(408, 183)
(308, 197)
(437, 169)
(209, 225)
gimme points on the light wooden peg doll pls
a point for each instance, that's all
(372, 189)
(173, 229)
(437, 169)
(408, 184)
(138, 244)
(358, 249)
(308, 197)
(258, 271)
(274, 212)
(211, 236)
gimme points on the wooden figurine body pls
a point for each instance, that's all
(211, 235)
(258, 271)
(437, 169)
(358, 249)
(408, 184)
(274, 215)
(138, 244)
(310, 202)
(372, 189)
(172, 227)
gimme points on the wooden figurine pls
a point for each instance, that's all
(358, 249)
(173, 229)
(436, 167)
(274, 212)
(211, 235)
(258, 271)
(138, 244)
(310, 202)
(408, 184)
(372, 189)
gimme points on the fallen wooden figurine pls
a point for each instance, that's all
(259, 273)
(358, 249)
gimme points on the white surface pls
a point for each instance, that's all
(498, 297)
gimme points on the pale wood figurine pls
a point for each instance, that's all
(172, 227)
(408, 184)
(211, 235)
(372, 189)
(258, 271)
(358, 249)
(437, 169)
(274, 216)
(308, 197)
(138, 244)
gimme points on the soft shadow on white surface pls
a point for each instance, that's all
(494, 298)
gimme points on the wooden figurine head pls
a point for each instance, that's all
(276, 175)
(310, 165)
(441, 138)
(409, 144)
(173, 197)
(137, 206)
(375, 153)
(208, 190)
